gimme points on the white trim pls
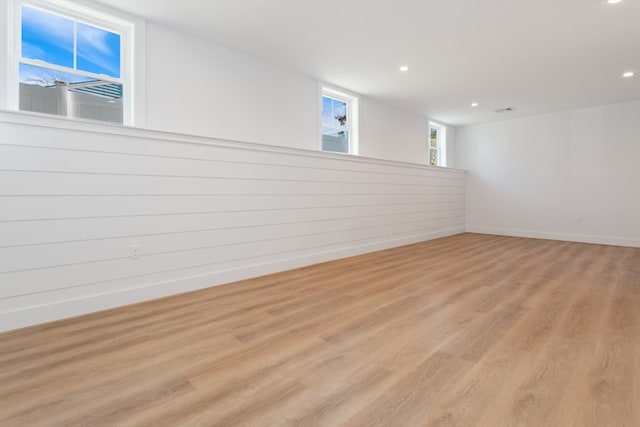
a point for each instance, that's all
(84, 12)
(46, 313)
(569, 237)
(8, 56)
(75, 72)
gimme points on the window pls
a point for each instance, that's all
(339, 122)
(71, 61)
(437, 145)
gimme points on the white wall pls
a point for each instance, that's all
(452, 157)
(195, 87)
(572, 175)
(76, 196)
(392, 134)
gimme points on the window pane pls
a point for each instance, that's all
(334, 112)
(52, 92)
(98, 51)
(433, 138)
(335, 140)
(47, 37)
(433, 157)
(326, 110)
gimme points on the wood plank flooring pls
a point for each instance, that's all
(469, 330)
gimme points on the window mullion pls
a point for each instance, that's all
(330, 126)
(75, 45)
(350, 133)
(44, 64)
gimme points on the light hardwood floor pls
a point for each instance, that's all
(469, 330)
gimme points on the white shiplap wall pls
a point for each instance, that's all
(74, 198)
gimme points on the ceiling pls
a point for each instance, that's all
(536, 56)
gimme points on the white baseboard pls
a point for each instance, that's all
(57, 310)
(569, 237)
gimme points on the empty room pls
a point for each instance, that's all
(320, 213)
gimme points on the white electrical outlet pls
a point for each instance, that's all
(135, 252)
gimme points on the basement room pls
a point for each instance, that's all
(320, 213)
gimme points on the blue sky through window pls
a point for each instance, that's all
(98, 51)
(49, 37)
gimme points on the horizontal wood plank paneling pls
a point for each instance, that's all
(19, 208)
(40, 232)
(18, 158)
(76, 196)
(83, 251)
(51, 183)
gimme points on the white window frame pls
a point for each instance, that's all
(441, 144)
(352, 118)
(132, 41)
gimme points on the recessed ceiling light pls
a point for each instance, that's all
(474, 104)
(613, 1)
(628, 74)
(404, 68)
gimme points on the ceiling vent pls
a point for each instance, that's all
(505, 110)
